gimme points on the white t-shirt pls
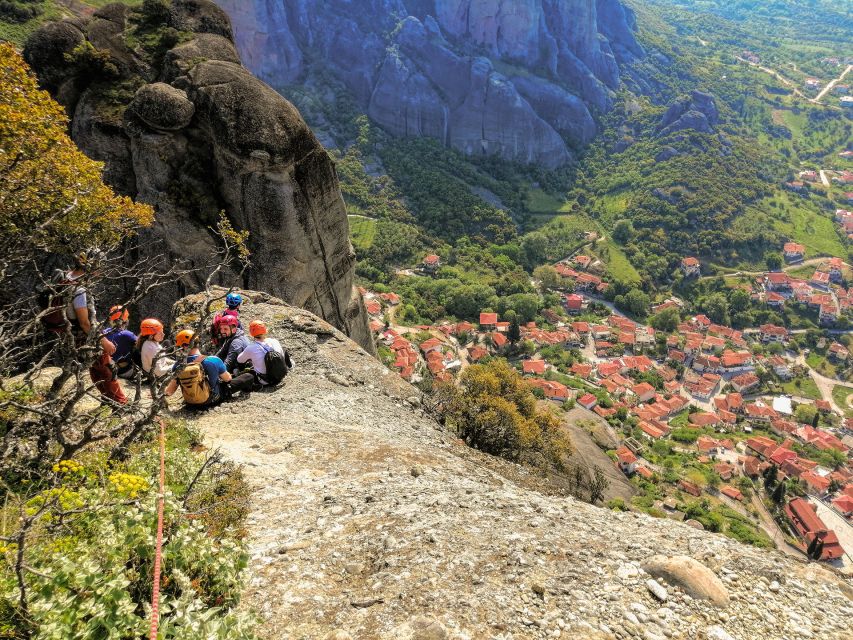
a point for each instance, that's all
(149, 352)
(80, 300)
(256, 352)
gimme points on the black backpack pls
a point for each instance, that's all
(277, 365)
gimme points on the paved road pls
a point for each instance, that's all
(776, 75)
(824, 179)
(829, 86)
(825, 385)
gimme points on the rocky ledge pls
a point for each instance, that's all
(369, 520)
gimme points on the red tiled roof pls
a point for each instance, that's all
(488, 318)
(533, 366)
(690, 261)
(587, 399)
(625, 455)
(731, 492)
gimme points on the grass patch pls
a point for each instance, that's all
(540, 202)
(18, 32)
(618, 265)
(803, 387)
(362, 232)
(840, 394)
(802, 221)
(819, 363)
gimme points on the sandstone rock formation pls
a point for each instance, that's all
(435, 67)
(370, 520)
(186, 128)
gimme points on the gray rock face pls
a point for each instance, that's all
(697, 111)
(210, 136)
(414, 65)
(162, 106)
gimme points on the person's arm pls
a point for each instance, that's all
(230, 359)
(225, 376)
(106, 346)
(171, 387)
(244, 355)
(83, 318)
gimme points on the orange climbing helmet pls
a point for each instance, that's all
(185, 338)
(119, 313)
(257, 328)
(150, 327)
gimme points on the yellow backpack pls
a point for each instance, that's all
(194, 385)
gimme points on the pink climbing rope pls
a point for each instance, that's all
(158, 551)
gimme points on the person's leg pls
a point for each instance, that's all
(244, 383)
(108, 386)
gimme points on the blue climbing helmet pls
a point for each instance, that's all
(233, 300)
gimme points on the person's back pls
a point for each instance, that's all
(257, 351)
(124, 341)
(149, 347)
(198, 376)
(213, 367)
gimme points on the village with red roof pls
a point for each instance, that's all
(723, 406)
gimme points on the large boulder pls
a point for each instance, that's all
(46, 48)
(697, 580)
(162, 106)
(200, 16)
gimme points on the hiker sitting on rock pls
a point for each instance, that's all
(200, 377)
(123, 339)
(103, 373)
(232, 302)
(270, 362)
(234, 342)
(148, 349)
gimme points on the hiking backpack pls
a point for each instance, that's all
(277, 365)
(194, 385)
(52, 301)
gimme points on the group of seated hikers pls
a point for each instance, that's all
(241, 364)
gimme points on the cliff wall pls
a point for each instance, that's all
(517, 78)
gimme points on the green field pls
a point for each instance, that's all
(362, 231)
(540, 202)
(801, 221)
(840, 394)
(819, 363)
(618, 264)
(805, 389)
(51, 10)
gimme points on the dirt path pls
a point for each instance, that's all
(832, 83)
